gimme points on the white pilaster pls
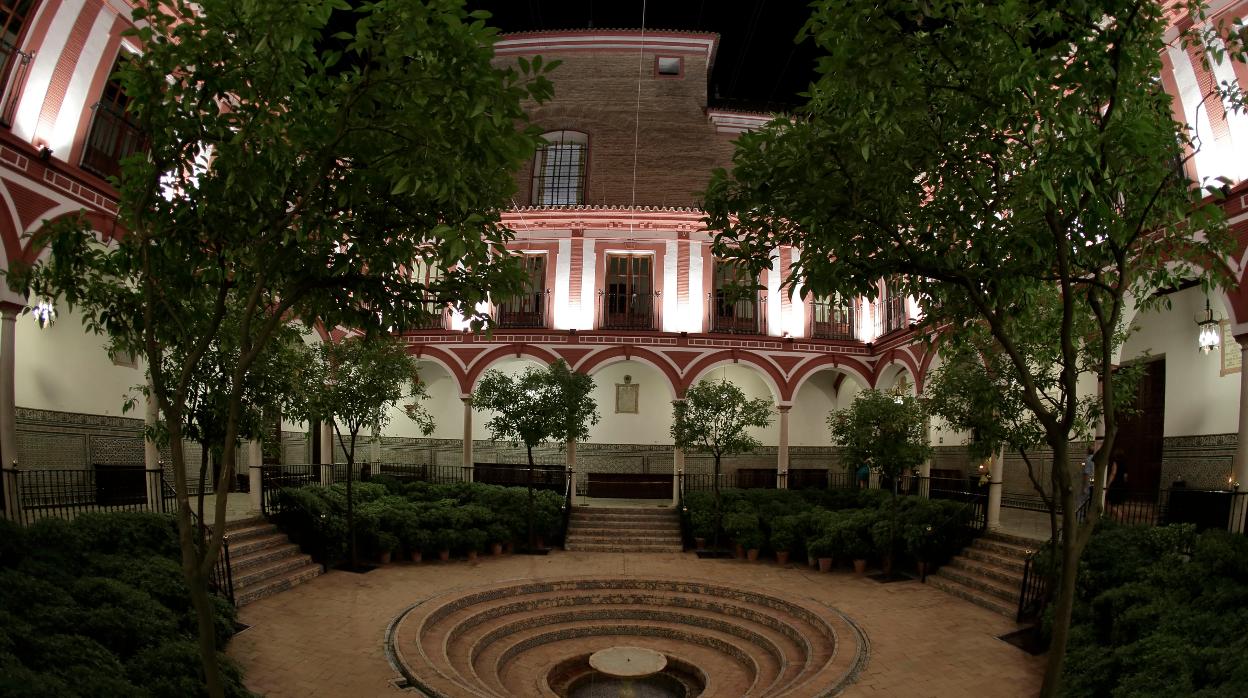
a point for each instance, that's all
(467, 462)
(255, 463)
(782, 450)
(995, 479)
(8, 409)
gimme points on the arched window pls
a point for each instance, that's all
(559, 169)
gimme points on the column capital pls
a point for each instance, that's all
(783, 407)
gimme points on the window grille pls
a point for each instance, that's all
(559, 170)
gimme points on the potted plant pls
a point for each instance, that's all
(821, 548)
(743, 527)
(474, 539)
(497, 534)
(703, 522)
(386, 543)
(445, 540)
(921, 543)
(853, 539)
(783, 537)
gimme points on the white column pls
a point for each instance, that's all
(151, 453)
(8, 409)
(995, 478)
(678, 469)
(782, 451)
(1240, 473)
(375, 449)
(571, 465)
(327, 453)
(467, 462)
(255, 461)
(925, 468)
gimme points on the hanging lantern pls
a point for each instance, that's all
(1208, 333)
(43, 313)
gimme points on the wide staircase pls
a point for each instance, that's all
(624, 530)
(989, 572)
(263, 561)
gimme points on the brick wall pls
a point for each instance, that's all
(596, 93)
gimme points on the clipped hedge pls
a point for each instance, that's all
(98, 607)
(1159, 611)
(409, 517)
(842, 524)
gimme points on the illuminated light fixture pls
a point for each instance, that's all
(44, 314)
(1207, 335)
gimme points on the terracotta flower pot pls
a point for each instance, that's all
(472, 556)
(700, 543)
(384, 557)
(825, 564)
(811, 562)
(752, 554)
(738, 551)
(496, 549)
(415, 556)
(782, 557)
(444, 555)
(860, 566)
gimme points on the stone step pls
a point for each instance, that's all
(260, 542)
(245, 523)
(1006, 576)
(1014, 539)
(279, 583)
(622, 540)
(613, 530)
(243, 533)
(1018, 552)
(607, 520)
(962, 591)
(268, 569)
(617, 548)
(627, 511)
(242, 563)
(1007, 593)
(1010, 563)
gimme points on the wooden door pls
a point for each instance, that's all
(1138, 445)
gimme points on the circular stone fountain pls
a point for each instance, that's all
(593, 637)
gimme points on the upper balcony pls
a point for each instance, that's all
(112, 138)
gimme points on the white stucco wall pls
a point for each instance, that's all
(64, 368)
(1198, 399)
(653, 422)
(815, 401)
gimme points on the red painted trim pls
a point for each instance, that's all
(900, 356)
(10, 237)
(738, 356)
(104, 224)
(449, 362)
(66, 64)
(96, 89)
(836, 361)
(483, 362)
(632, 353)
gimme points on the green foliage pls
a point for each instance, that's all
(784, 532)
(111, 618)
(714, 418)
(417, 516)
(353, 383)
(744, 528)
(541, 404)
(884, 430)
(1160, 611)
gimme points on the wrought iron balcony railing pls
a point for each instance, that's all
(14, 66)
(628, 311)
(832, 320)
(525, 310)
(737, 314)
(112, 139)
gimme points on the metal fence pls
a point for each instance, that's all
(65, 493)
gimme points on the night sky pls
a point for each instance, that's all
(758, 65)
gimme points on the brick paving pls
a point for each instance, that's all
(326, 637)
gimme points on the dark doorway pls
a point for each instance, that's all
(1138, 444)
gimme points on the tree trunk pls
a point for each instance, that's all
(718, 510)
(532, 533)
(1065, 601)
(193, 554)
(352, 553)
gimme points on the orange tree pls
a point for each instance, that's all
(302, 158)
(982, 154)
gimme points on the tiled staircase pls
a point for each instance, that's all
(988, 573)
(624, 530)
(264, 561)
